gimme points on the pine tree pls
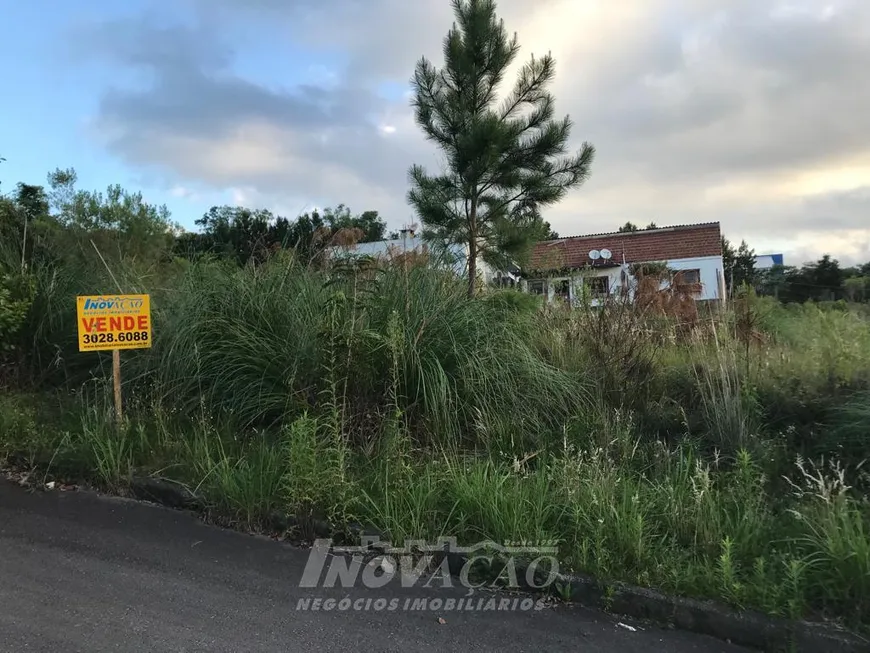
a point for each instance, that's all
(505, 160)
(739, 264)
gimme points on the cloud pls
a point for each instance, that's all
(751, 112)
(183, 193)
(207, 124)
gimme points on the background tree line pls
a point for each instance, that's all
(821, 280)
(39, 224)
(247, 235)
(57, 222)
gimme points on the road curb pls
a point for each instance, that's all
(173, 494)
(165, 492)
(744, 628)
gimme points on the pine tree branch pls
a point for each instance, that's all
(576, 169)
(528, 83)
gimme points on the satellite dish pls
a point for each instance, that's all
(606, 254)
(595, 255)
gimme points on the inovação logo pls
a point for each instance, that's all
(113, 303)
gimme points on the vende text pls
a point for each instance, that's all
(125, 323)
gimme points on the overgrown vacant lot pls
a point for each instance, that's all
(720, 461)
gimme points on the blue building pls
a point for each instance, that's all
(767, 261)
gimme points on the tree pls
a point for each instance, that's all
(313, 232)
(32, 199)
(249, 235)
(371, 225)
(304, 235)
(630, 226)
(505, 160)
(827, 278)
(819, 281)
(33, 204)
(856, 288)
(119, 223)
(739, 264)
(775, 281)
(237, 232)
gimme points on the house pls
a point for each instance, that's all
(598, 265)
(454, 257)
(767, 261)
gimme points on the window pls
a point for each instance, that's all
(597, 286)
(561, 289)
(692, 277)
(537, 287)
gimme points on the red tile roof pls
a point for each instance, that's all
(644, 246)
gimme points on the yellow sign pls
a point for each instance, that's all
(114, 322)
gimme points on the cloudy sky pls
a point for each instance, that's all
(755, 113)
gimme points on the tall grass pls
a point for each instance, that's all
(848, 431)
(262, 343)
(240, 342)
(387, 396)
(726, 403)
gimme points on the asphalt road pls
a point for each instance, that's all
(82, 572)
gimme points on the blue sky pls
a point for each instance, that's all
(59, 81)
(46, 105)
(750, 112)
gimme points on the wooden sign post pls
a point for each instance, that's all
(116, 383)
(114, 322)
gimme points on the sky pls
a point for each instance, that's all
(753, 113)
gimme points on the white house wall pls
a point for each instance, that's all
(457, 255)
(709, 269)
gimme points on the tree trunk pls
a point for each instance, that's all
(472, 249)
(472, 267)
